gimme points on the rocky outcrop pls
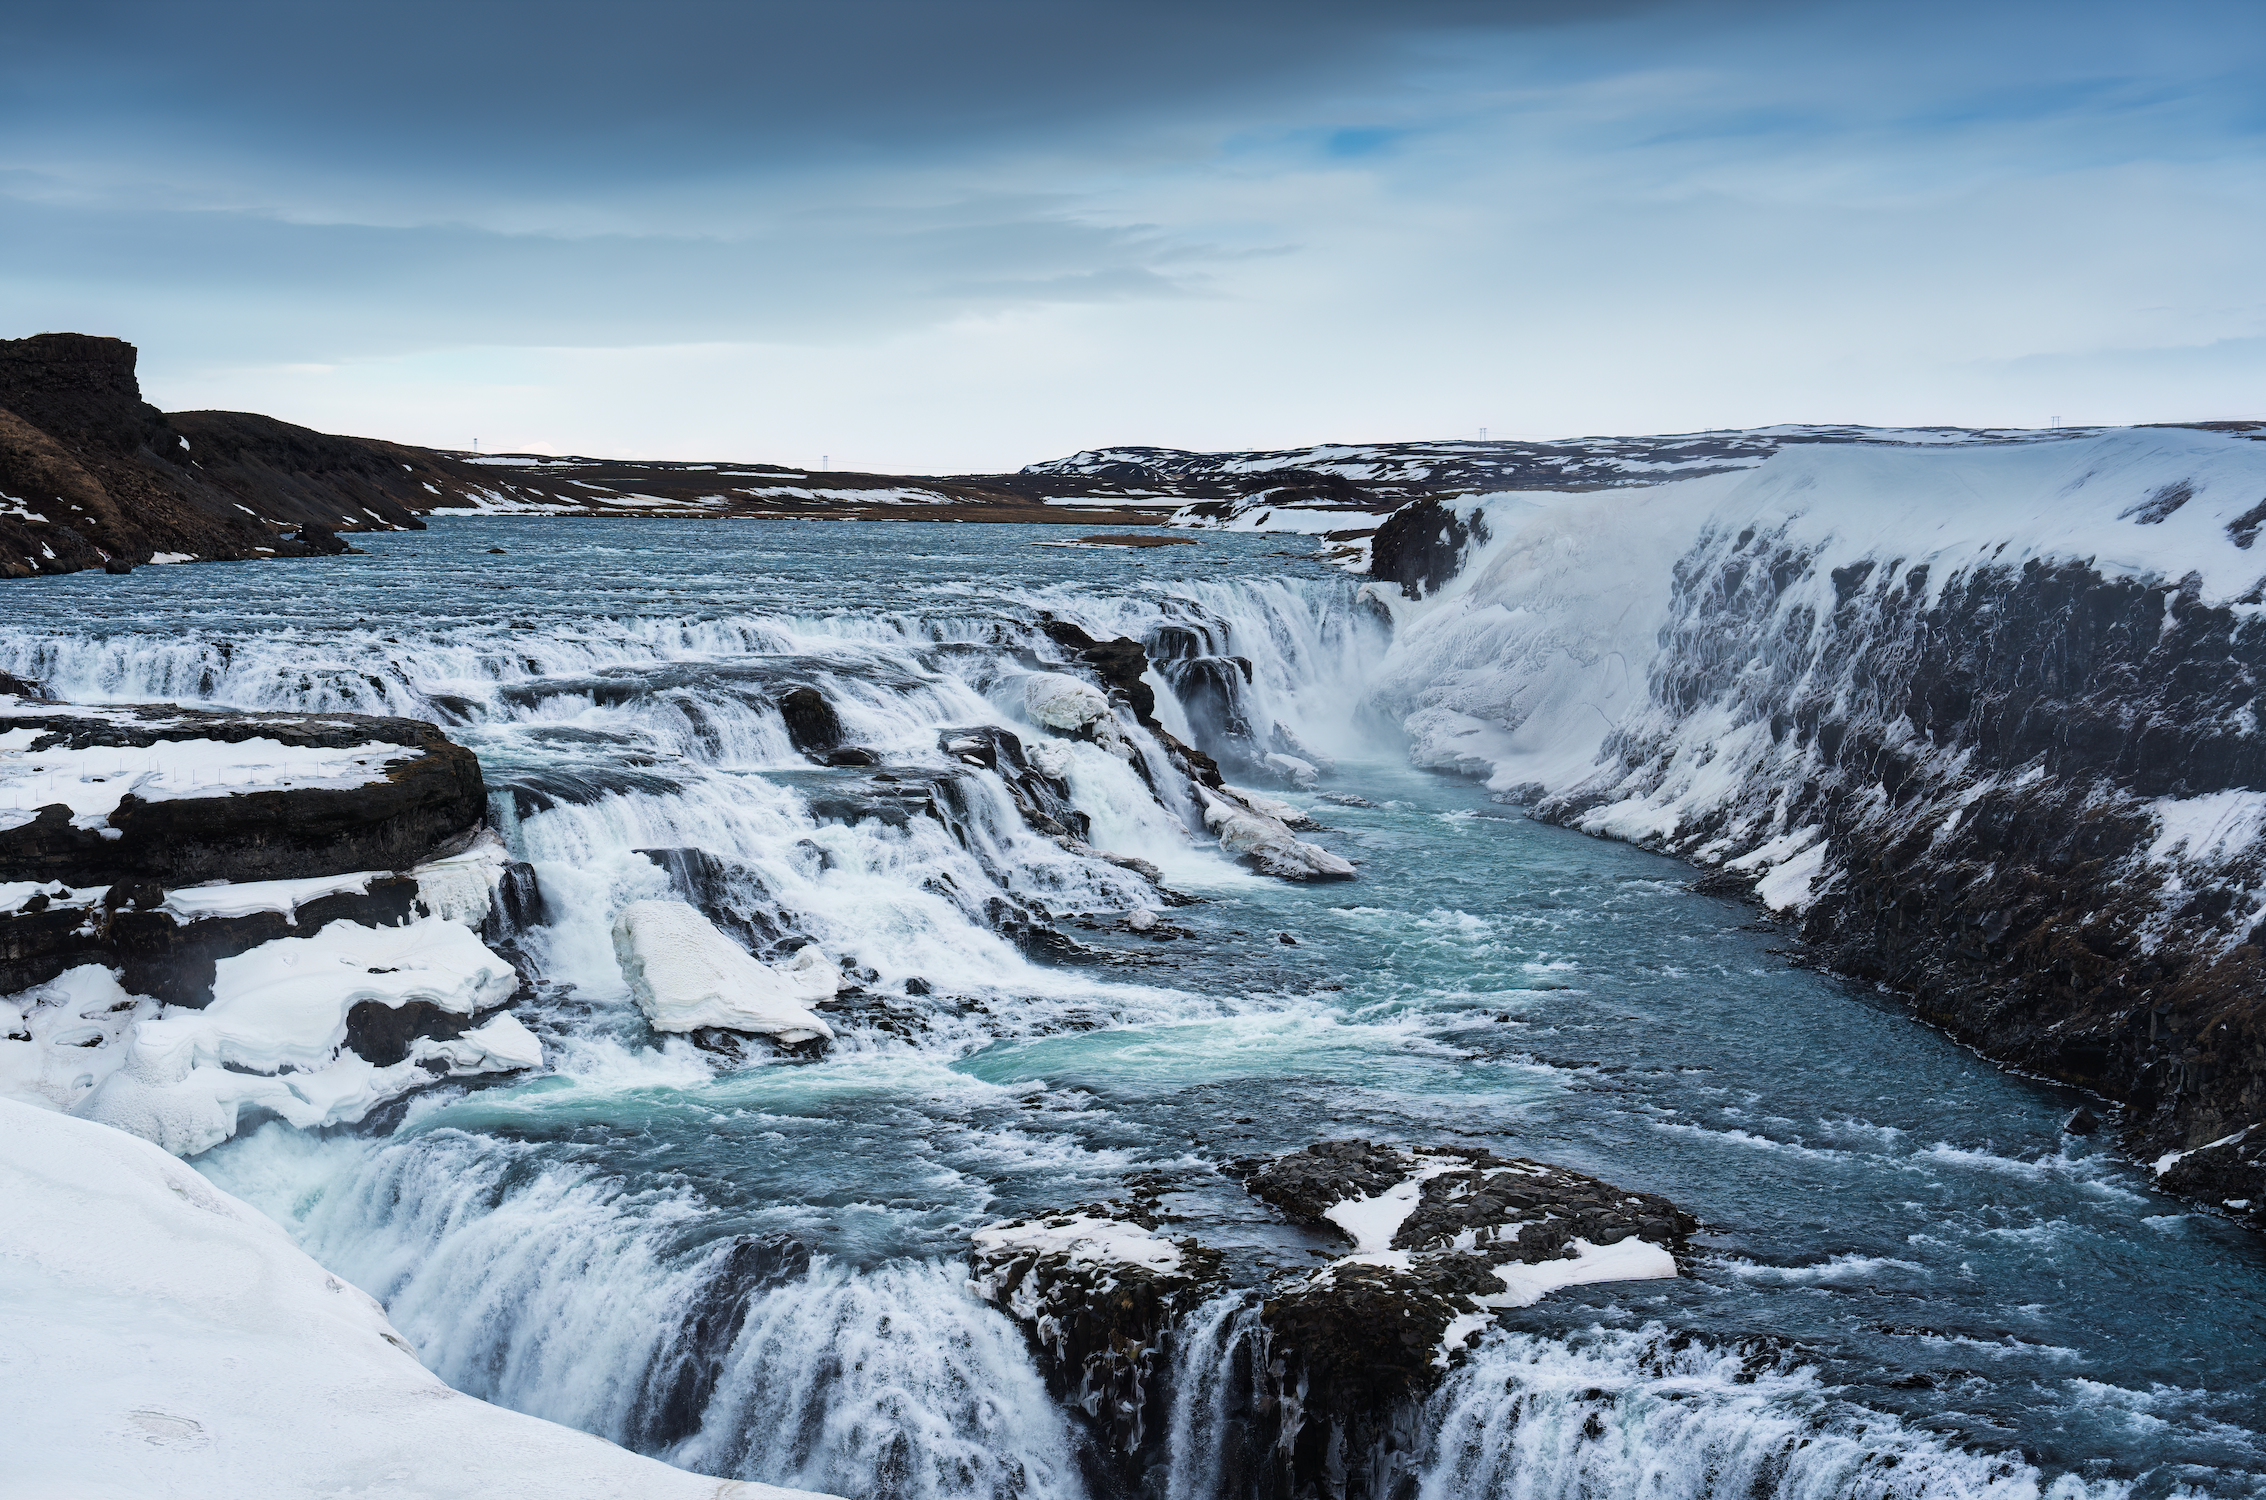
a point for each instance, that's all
(343, 967)
(1421, 546)
(1098, 1290)
(155, 793)
(1122, 664)
(1316, 1379)
(91, 475)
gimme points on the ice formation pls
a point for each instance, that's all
(686, 975)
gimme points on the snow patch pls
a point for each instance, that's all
(684, 974)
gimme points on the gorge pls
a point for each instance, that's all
(1955, 723)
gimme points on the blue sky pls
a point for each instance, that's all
(926, 236)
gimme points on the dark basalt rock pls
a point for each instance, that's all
(1981, 763)
(1321, 1378)
(1421, 546)
(728, 893)
(401, 817)
(108, 481)
(1102, 1328)
(1043, 800)
(1119, 664)
(382, 1035)
(677, 1387)
(812, 725)
(2228, 1174)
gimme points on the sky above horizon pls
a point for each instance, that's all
(920, 236)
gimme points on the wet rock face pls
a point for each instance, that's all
(1098, 1292)
(812, 724)
(1996, 777)
(422, 791)
(1043, 799)
(1421, 546)
(1120, 664)
(1320, 1376)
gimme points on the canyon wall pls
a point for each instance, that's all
(1981, 718)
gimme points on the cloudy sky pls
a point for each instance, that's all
(930, 235)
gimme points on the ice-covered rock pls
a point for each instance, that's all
(276, 1034)
(462, 886)
(165, 1338)
(686, 975)
(1274, 807)
(1073, 706)
(1264, 843)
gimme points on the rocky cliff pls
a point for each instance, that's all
(93, 476)
(1983, 721)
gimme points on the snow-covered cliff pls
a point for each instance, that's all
(1983, 718)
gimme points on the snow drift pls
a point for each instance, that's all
(226, 1362)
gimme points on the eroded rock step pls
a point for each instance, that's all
(204, 913)
(1321, 1372)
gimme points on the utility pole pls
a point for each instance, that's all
(1483, 434)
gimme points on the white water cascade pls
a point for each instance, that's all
(753, 1266)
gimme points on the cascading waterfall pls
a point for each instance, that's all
(753, 1268)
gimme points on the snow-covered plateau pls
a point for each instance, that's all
(1983, 718)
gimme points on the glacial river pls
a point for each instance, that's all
(1910, 1281)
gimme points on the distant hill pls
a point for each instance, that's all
(92, 476)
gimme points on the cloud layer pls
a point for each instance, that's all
(921, 235)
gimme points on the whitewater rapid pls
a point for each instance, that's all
(1912, 1285)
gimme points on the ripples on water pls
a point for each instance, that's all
(1912, 1283)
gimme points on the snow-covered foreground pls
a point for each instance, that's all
(162, 1338)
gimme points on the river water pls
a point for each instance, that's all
(1911, 1282)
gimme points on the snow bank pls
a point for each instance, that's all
(684, 974)
(274, 1035)
(62, 1039)
(244, 897)
(1539, 666)
(163, 1338)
